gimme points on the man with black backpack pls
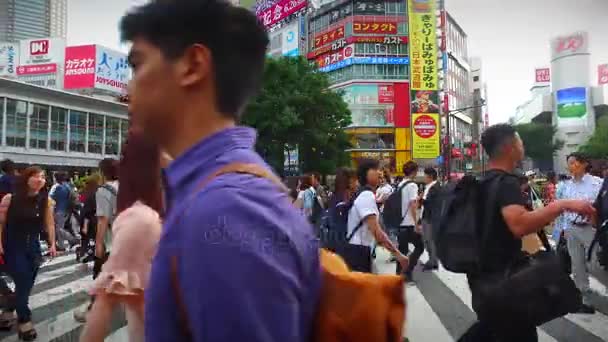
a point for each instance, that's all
(600, 241)
(479, 233)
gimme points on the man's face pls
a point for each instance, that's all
(516, 150)
(153, 90)
(428, 179)
(373, 177)
(576, 167)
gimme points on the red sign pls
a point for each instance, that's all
(425, 126)
(378, 27)
(386, 93)
(602, 74)
(332, 58)
(280, 11)
(390, 115)
(571, 44)
(402, 109)
(378, 39)
(39, 47)
(543, 75)
(79, 67)
(38, 69)
(328, 37)
(337, 45)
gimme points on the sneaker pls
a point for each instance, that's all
(81, 315)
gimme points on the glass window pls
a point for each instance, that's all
(39, 125)
(372, 116)
(95, 133)
(78, 129)
(16, 122)
(112, 132)
(124, 129)
(59, 123)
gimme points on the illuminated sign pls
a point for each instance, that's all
(328, 37)
(378, 39)
(377, 27)
(365, 60)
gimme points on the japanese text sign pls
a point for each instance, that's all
(337, 45)
(79, 67)
(377, 27)
(575, 43)
(602, 74)
(423, 44)
(9, 58)
(37, 69)
(370, 7)
(335, 57)
(378, 39)
(425, 136)
(42, 51)
(111, 70)
(543, 75)
(328, 37)
(281, 10)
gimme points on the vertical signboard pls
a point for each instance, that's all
(9, 59)
(290, 40)
(425, 135)
(79, 67)
(602, 74)
(111, 70)
(423, 44)
(543, 75)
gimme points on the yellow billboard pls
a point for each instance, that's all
(425, 135)
(423, 44)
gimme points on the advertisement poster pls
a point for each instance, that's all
(290, 40)
(378, 27)
(328, 37)
(423, 44)
(425, 101)
(386, 93)
(279, 11)
(42, 51)
(543, 75)
(336, 57)
(79, 67)
(425, 135)
(9, 59)
(602, 74)
(112, 70)
(571, 103)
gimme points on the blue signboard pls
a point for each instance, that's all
(365, 60)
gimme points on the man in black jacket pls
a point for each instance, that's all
(601, 206)
(430, 192)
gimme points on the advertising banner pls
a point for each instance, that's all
(112, 70)
(423, 44)
(337, 45)
(377, 27)
(370, 8)
(602, 74)
(366, 60)
(9, 59)
(402, 105)
(378, 39)
(571, 105)
(425, 135)
(79, 67)
(279, 11)
(425, 101)
(572, 44)
(386, 93)
(336, 57)
(328, 37)
(543, 75)
(37, 69)
(290, 40)
(42, 51)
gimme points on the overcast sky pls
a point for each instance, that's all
(510, 36)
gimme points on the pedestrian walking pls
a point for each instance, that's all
(61, 195)
(23, 216)
(229, 237)
(431, 191)
(88, 219)
(136, 231)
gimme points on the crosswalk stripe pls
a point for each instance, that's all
(120, 335)
(423, 319)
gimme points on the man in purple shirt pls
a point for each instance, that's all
(244, 262)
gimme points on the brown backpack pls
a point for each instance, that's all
(353, 306)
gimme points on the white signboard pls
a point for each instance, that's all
(9, 59)
(572, 44)
(112, 70)
(291, 40)
(42, 51)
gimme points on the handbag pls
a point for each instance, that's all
(534, 289)
(562, 253)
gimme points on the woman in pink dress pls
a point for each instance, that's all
(136, 232)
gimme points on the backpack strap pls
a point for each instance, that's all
(489, 214)
(243, 168)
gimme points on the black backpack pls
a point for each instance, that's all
(459, 220)
(392, 214)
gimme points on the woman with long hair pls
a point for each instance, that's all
(23, 216)
(88, 218)
(136, 232)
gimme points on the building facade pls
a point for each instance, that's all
(55, 128)
(58, 19)
(362, 46)
(24, 19)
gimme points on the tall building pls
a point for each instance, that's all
(24, 19)
(58, 19)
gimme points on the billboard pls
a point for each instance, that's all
(112, 70)
(290, 40)
(425, 101)
(41, 51)
(336, 57)
(423, 44)
(366, 60)
(543, 75)
(280, 10)
(568, 45)
(425, 135)
(328, 37)
(9, 59)
(79, 67)
(602, 74)
(571, 104)
(382, 27)
(389, 40)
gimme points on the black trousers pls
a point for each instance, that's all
(482, 331)
(407, 235)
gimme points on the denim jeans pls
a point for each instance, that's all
(23, 258)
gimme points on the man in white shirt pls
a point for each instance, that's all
(363, 224)
(410, 230)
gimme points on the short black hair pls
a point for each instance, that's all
(431, 172)
(234, 36)
(109, 168)
(363, 169)
(551, 175)
(61, 177)
(7, 166)
(410, 168)
(579, 157)
(494, 137)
